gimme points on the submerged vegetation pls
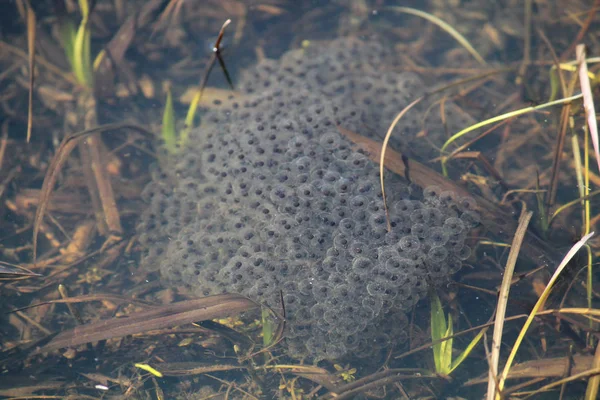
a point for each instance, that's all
(81, 296)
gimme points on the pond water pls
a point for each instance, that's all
(274, 194)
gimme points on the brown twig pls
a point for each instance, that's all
(216, 54)
(560, 144)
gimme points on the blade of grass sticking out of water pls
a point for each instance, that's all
(388, 135)
(503, 302)
(538, 305)
(445, 26)
(588, 100)
(456, 136)
(31, 30)
(168, 132)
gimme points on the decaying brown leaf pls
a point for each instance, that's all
(183, 312)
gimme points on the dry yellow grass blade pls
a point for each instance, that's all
(503, 302)
(31, 48)
(591, 391)
(541, 301)
(388, 135)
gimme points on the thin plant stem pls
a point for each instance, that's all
(503, 302)
(538, 305)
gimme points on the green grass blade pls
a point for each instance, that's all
(81, 55)
(82, 59)
(189, 118)
(268, 327)
(438, 329)
(445, 26)
(84, 8)
(572, 203)
(499, 118)
(467, 351)
(168, 132)
(86, 57)
(67, 34)
(446, 360)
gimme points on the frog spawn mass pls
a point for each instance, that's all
(270, 198)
